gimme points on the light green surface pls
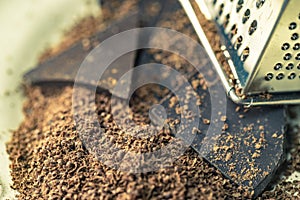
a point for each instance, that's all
(27, 28)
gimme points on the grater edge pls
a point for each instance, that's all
(250, 100)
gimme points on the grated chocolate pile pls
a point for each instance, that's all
(49, 161)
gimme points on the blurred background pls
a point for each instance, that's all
(28, 28)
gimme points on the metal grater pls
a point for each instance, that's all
(260, 39)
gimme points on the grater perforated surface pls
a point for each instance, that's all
(263, 42)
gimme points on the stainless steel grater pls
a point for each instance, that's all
(260, 39)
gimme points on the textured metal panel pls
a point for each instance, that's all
(262, 39)
(279, 67)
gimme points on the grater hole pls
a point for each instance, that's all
(214, 2)
(221, 9)
(287, 56)
(238, 43)
(280, 76)
(269, 77)
(296, 46)
(292, 76)
(298, 67)
(278, 66)
(298, 56)
(246, 16)
(233, 31)
(290, 66)
(226, 22)
(259, 3)
(245, 54)
(292, 26)
(253, 27)
(285, 46)
(239, 5)
(295, 36)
